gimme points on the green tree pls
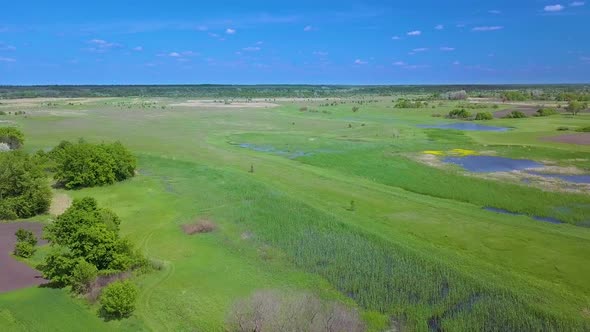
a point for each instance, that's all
(24, 189)
(576, 106)
(118, 299)
(12, 136)
(484, 116)
(87, 165)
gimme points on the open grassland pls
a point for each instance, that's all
(415, 249)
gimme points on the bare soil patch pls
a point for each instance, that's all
(59, 204)
(15, 274)
(529, 111)
(213, 104)
(582, 138)
(201, 226)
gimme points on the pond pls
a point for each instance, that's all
(502, 211)
(465, 126)
(480, 164)
(583, 178)
(271, 149)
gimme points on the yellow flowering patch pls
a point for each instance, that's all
(434, 152)
(453, 152)
(463, 152)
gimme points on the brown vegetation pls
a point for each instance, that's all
(275, 311)
(202, 226)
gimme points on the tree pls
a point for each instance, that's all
(576, 106)
(118, 299)
(89, 234)
(11, 136)
(87, 165)
(24, 190)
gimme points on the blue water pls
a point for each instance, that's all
(545, 219)
(465, 126)
(491, 164)
(564, 177)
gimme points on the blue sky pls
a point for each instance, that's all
(314, 42)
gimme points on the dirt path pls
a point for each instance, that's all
(15, 274)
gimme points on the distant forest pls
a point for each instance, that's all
(539, 92)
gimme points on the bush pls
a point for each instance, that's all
(118, 299)
(584, 129)
(24, 249)
(82, 276)
(484, 116)
(576, 106)
(546, 112)
(23, 235)
(515, 115)
(12, 136)
(88, 165)
(203, 226)
(459, 113)
(563, 128)
(24, 190)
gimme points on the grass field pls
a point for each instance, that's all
(417, 251)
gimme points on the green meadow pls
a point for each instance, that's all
(328, 201)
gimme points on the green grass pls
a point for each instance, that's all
(418, 248)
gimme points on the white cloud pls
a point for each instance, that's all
(456, 63)
(414, 33)
(4, 59)
(101, 45)
(495, 12)
(230, 31)
(439, 27)
(174, 54)
(420, 49)
(399, 63)
(395, 38)
(488, 28)
(308, 28)
(360, 62)
(554, 8)
(320, 53)
(447, 49)
(251, 49)
(585, 58)
(138, 48)
(577, 3)
(259, 42)
(202, 28)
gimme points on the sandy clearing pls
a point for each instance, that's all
(581, 138)
(213, 104)
(59, 204)
(16, 274)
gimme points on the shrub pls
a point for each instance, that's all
(563, 128)
(457, 95)
(24, 249)
(546, 112)
(514, 96)
(88, 165)
(118, 299)
(24, 191)
(515, 115)
(584, 129)
(12, 136)
(355, 109)
(83, 276)
(459, 113)
(23, 235)
(483, 116)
